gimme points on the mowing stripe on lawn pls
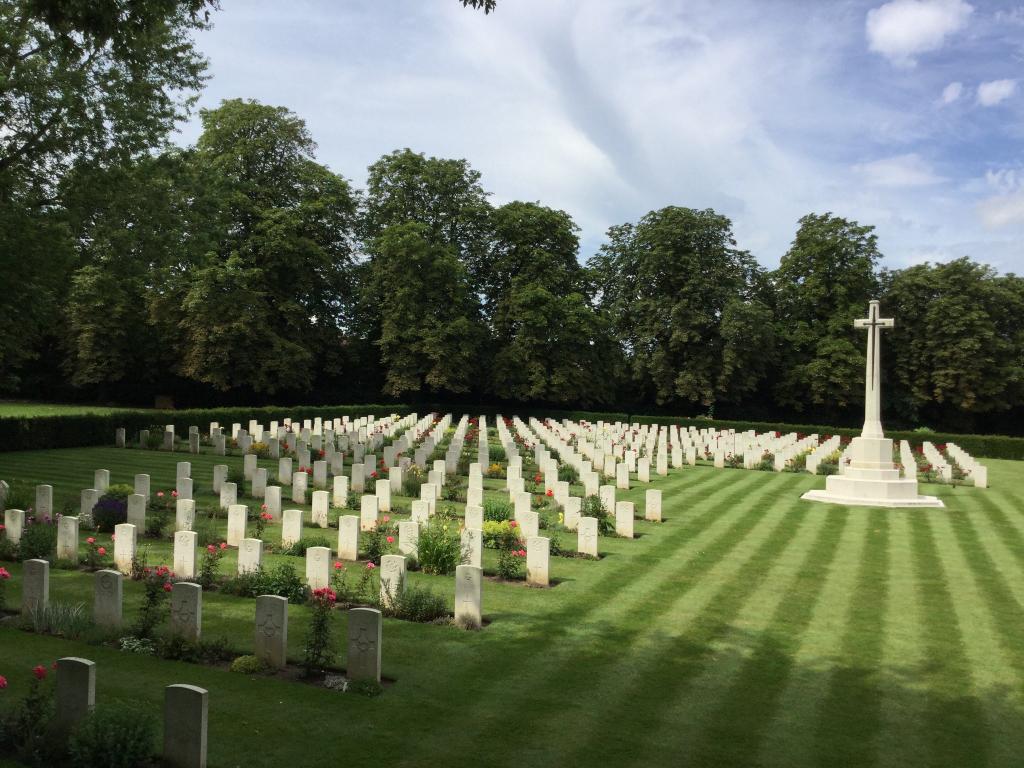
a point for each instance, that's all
(707, 610)
(789, 734)
(902, 655)
(551, 663)
(849, 717)
(734, 732)
(958, 734)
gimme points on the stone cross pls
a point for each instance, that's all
(872, 374)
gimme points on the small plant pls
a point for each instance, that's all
(210, 564)
(95, 554)
(318, 638)
(111, 508)
(503, 535)
(592, 507)
(26, 733)
(38, 539)
(412, 479)
(510, 564)
(298, 549)
(498, 510)
(61, 619)
(116, 735)
(413, 603)
(139, 645)
(568, 473)
(380, 540)
(5, 576)
(250, 665)
(262, 519)
(360, 592)
(440, 546)
(157, 586)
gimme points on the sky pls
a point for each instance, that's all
(906, 115)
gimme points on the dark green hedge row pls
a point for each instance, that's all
(27, 433)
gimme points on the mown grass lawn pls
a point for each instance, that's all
(28, 408)
(749, 628)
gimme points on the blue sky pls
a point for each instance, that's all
(907, 115)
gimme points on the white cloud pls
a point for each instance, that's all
(995, 91)
(908, 170)
(952, 92)
(1002, 210)
(902, 29)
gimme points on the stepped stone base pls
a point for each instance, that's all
(871, 480)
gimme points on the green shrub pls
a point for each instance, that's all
(510, 564)
(439, 549)
(592, 507)
(114, 735)
(495, 509)
(501, 535)
(298, 549)
(318, 646)
(282, 580)
(112, 508)
(250, 665)
(27, 732)
(376, 542)
(414, 603)
(412, 479)
(21, 495)
(38, 540)
(568, 473)
(176, 647)
(68, 620)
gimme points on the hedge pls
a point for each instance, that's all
(28, 433)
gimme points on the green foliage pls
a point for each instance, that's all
(115, 734)
(823, 282)
(250, 665)
(666, 283)
(176, 647)
(591, 506)
(281, 580)
(38, 540)
(27, 730)
(510, 564)
(501, 535)
(439, 549)
(68, 620)
(318, 650)
(497, 510)
(430, 332)
(413, 602)
(299, 548)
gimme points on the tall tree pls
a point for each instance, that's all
(273, 293)
(92, 80)
(430, 334)
(667, 283)
(958, 345)
(550, 345)
(823, 282)
(444, 195)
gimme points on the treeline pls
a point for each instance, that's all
(242, 270)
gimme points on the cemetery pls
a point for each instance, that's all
(322, 445)
(392, 561)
